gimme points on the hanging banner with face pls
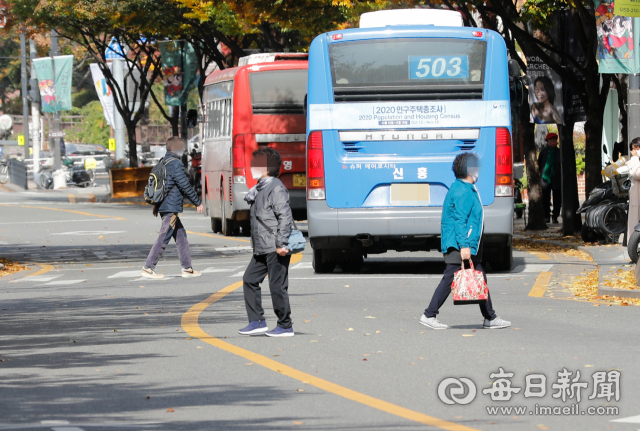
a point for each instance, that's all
(104, 93)
(616, 34)
(179, 71)
(54, 97)
(545, 93)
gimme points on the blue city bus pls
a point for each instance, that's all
(389, 108)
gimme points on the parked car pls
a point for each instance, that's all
(86, 150)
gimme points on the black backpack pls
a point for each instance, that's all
(155, 191)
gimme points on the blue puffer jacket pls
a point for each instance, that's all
(462, 217)
(177, 182)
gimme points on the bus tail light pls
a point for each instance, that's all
(239, 176)
(504, 163)
(315, 167)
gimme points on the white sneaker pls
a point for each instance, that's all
(151, 273)
(432, 322)
(496, 323)
(190, 272)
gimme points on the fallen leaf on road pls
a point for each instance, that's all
(199, 347)
(364, 359)
(369, 317)
(307, 321)
(588, 365)
(249, 363)
(171, 410)
(346, 285)
(468, 335)
(350, 329)
(189, 338)
(300, 390)
(298, 423)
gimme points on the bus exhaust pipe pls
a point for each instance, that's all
(365, 239)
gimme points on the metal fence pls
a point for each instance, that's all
(18, 173)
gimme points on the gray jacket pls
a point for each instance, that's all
(272, 207)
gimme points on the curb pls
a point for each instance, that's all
(601, 290)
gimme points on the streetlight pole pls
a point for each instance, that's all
(25, 92)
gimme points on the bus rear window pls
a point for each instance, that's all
(408, 69)
(278, 92)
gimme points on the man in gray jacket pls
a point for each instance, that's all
(271, 221)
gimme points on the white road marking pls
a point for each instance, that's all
(240, 274)
(101, 255)
(4, 243)
(63, 282)
(303, 265)
(91, 232)
(61, 221)
(629, 420)
(319, 277)
(66, 429)
(532, 267)
(37, 278)
(239, 248)
(127, 274)
(208, 270)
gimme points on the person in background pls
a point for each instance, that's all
(271, 221)
(550, 168)
(177, 183)
(634, 193)
(461, 233)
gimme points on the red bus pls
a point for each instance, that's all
(246, 107)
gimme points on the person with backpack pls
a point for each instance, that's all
(168, 184)
(271, 225)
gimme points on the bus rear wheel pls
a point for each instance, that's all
(319, 266)
(503, 262)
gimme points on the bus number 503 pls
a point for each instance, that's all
(444, 67)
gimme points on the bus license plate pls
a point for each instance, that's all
(410, 195)
(299, 180)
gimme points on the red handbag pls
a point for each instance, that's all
(469, 286)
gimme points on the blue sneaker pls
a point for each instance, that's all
(255, 327)
(280, 332)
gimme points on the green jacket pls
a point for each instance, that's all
(462, 218)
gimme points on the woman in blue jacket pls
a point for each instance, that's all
(461, 232)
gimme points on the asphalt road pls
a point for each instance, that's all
(86, 344)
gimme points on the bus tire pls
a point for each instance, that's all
(505, 262)
(216, 225)
(226, 225)
(319, 266)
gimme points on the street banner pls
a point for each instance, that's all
(545, 93)
(627, 8)
(55, 98)
(104, 93)
(616, 33)
(44, 74)
(179, 71)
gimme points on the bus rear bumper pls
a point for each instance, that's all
(337, 228)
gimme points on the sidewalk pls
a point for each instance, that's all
(610, 261)
(100, 194)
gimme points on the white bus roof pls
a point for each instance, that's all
(439, 17)
(268, 57)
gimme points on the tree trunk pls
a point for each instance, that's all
(133, 150)
(571, 222)
(534, 190)
(175, 121)
(593, 148)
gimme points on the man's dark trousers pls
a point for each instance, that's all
(444, 289)
(171, 228)
(277, 267)
(557, 201)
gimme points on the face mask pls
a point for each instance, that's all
(475, 176)
(179, 153)
(256, 173)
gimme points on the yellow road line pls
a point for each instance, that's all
(190, 325)
(44, 268)
(223, 237)
(540, 255)
(540, 286)
(63, 210)
(6, 188)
